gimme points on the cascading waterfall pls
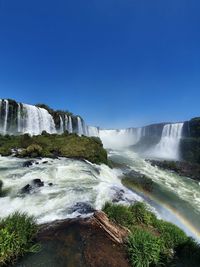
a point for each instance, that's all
(70, 129)
(80, 126)
(6, 117)
(92, 131)
(168, 147)
(61, 125)
(120, 138)
(19, 119)
(37, 120)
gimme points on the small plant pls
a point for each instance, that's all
(172, 235)
(141, 213)
(17, 233)
(143, 248)
(119, 213)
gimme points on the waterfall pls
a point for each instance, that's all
(61, 125)
(34, 120)
(37, 120)
(70, 128)
(120, 138)
(19, 119)
(66, 123)
(168, 147)
(92, 131)
(80, 126)
(6, 116)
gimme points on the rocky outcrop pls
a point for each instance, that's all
(90, 242)
(190, 143)
(182, 168)
(113, 231)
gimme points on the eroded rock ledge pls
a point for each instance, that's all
(81, 242)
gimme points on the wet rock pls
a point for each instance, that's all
(45, 162)
(37, 182)
(50, 184)
(26, 189)
(118, 196)
(82, 242)
(182, 168)
(116, 233)
(82, 208)
(139, 180)
(28, 163)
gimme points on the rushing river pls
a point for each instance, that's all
(78, 185)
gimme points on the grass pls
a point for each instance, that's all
(17, 233)
(153, 242)
(53, 145)
(144, 248)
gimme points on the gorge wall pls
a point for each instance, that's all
(18, 118)
(163, 140)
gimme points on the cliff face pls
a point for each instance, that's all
(190, 143)
(18, 118)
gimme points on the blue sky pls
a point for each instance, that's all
(117, 63)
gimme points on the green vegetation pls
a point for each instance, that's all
(153, 242)
(144, 248)
(17, 233)
(53, 145)
(140, 182)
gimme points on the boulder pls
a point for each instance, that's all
(28, 163)
(83, 208)
(37, 182)
(26, 189)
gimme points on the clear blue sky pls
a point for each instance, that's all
(117, 63)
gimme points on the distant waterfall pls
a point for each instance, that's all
(6, 117)
(80, 126)
(37, 120)
(70, 129)
(120, 138)
(168, 147)
(18, 118)
(92, 131)
(61, 125)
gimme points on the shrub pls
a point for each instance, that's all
(33, 151)
(17, 233)
(172, 235)
(143, 248)
(141, 214)
(188, 254)
(119, 214)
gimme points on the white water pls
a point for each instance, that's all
(34, 120)
(37, 120)
(168, 147)
(61, 125)
(70, 125)
(177, 199)
(80, 126)
(116, 139)
(73, 181)
(93, 131)
(19, 119)
(6, 116)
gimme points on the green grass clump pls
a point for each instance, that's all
(119, 214)
(54, 145)
(144, 248)
(172, 235)
(17, 233)
(153, 242)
